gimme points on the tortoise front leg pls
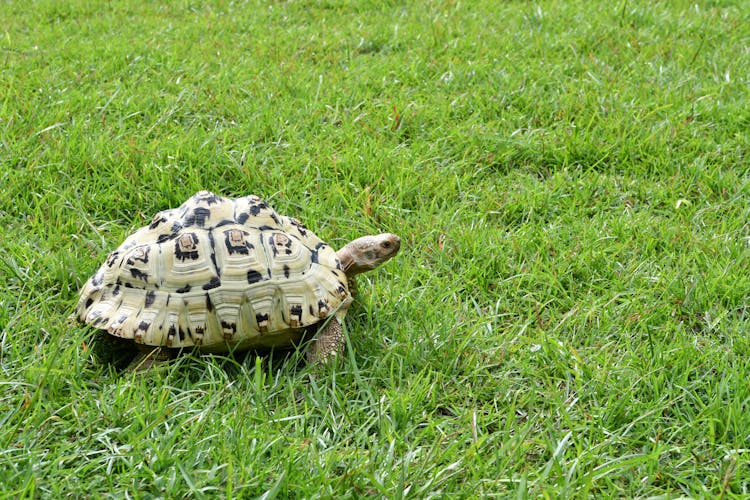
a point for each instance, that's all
(328, 343)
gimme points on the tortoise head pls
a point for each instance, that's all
(368, 252)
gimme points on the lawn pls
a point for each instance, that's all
(569, 313)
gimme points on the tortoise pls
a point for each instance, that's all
(222, 274)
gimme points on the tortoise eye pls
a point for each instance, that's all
(386, 244)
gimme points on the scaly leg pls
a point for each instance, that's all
(148, 357)
(328, 343)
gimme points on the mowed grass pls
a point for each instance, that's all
(568, 316)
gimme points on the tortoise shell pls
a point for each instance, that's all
(217, 273)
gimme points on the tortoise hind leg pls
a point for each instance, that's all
(328, 343)
(148, 357)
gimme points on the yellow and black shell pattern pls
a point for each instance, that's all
(217, 273)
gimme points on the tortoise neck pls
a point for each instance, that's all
(347, 262)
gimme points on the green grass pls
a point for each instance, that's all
(569, 313)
